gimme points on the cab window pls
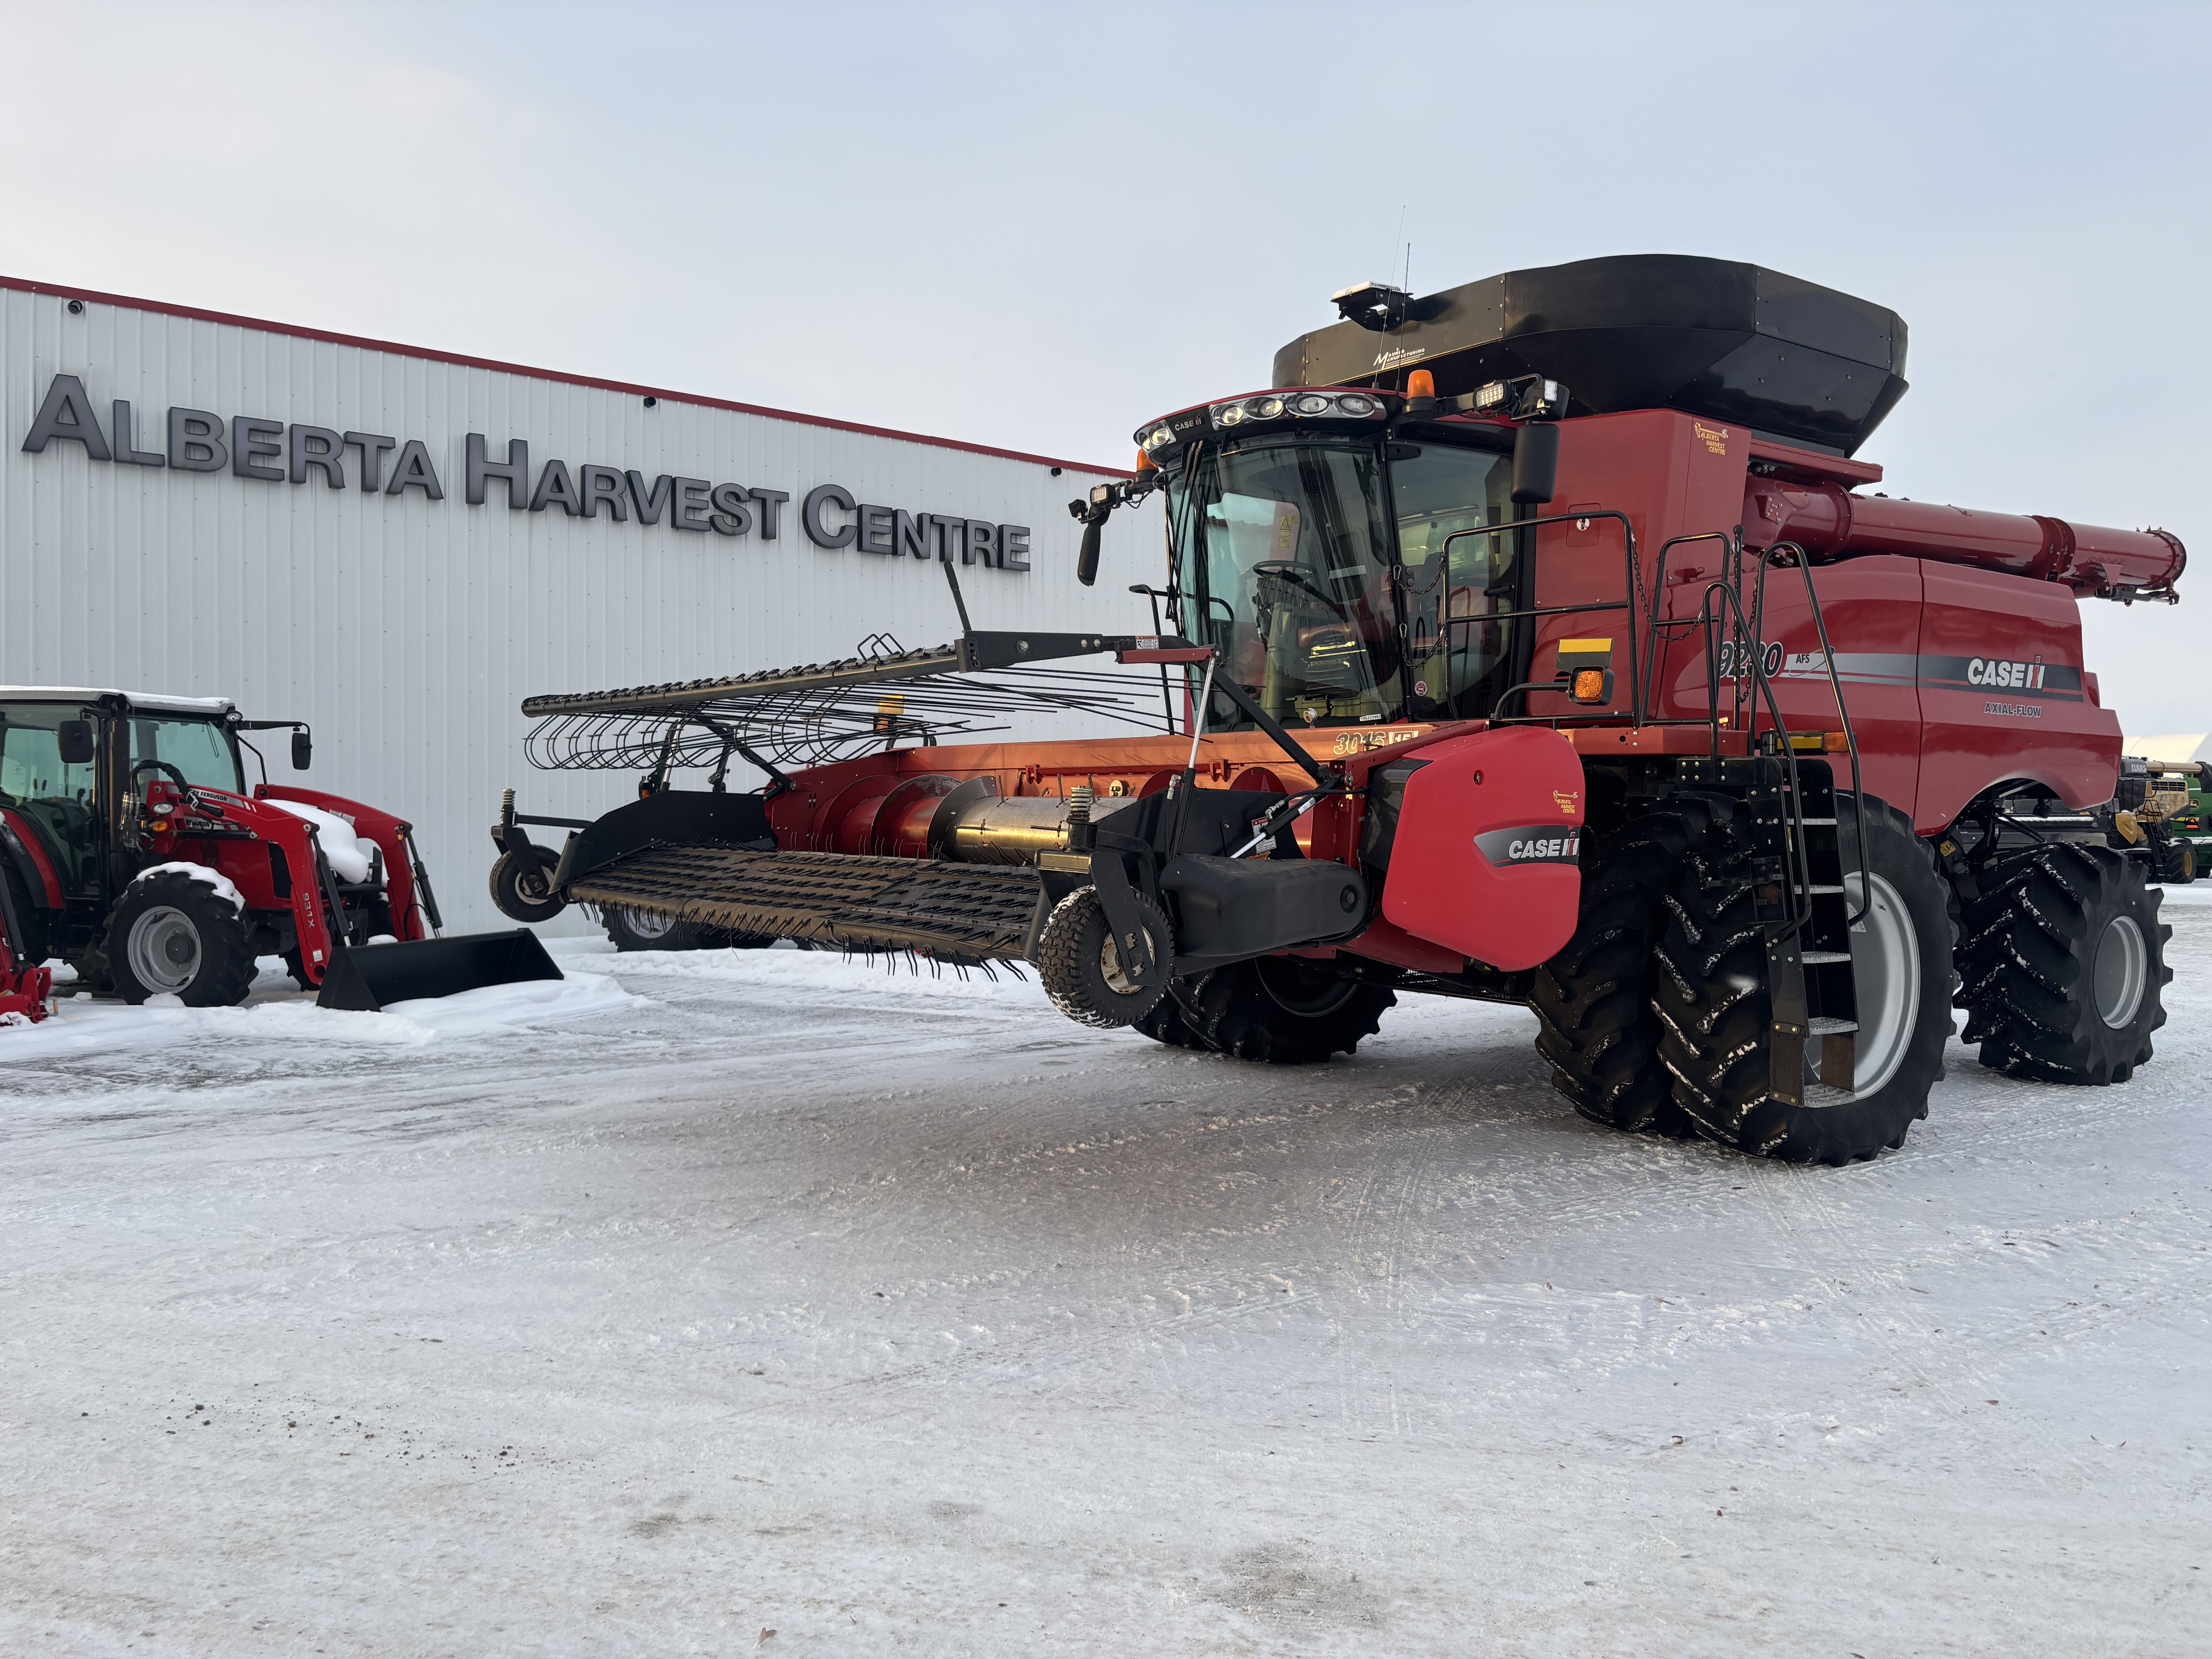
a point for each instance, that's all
(201, 749)
(54, 798)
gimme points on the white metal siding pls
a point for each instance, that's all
(408, 630)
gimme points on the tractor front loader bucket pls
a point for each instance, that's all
(365, 978)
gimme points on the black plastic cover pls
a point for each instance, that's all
(1733, 342)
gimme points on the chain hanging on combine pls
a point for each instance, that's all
(1559, 653)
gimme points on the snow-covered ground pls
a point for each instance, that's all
(701, 1297)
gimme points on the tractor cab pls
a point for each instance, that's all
(68, 758)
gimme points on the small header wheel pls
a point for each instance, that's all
(521, 891)
(1080, 962)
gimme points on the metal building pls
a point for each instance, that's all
(399, 544)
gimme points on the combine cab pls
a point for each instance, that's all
(131, 848)
(1538, 641)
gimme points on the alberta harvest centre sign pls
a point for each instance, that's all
(278, 452)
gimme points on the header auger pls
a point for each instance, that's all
(1536, 642)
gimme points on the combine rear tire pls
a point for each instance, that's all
(1593, 999)
(1285, 1010)
(2065, 957)
(1081, 967)
(176, 937)
(1714, 1002)
(521, 891)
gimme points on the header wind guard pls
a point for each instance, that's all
(1485, 857)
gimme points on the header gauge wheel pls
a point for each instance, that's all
(1080, 961)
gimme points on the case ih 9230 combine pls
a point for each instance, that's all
(1538, 641)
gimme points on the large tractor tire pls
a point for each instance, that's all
(1597, 1024)
(1713, 995)
(2065, 959)
(174, 936)
(1285, 1010)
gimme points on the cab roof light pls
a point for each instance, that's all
(1297, 405)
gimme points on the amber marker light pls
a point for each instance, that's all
(1589, 685)
(1420, 383)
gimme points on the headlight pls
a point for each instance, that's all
(1233, 414)
(1159, 437)
(1310, 403)
(1354, 403)
(1266, 408)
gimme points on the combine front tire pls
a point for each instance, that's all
(1081, 965)
(1287, 1011)
(1166, 1024)
(1593, 999)
(2065, 957)
(173, 936)
(1713, 996)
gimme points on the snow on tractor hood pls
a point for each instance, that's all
(348, 853)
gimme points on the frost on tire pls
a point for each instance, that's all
(2065, 962)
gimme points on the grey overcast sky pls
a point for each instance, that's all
(1036, 225)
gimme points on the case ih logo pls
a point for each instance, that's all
(1536, 843)
(2013, 676)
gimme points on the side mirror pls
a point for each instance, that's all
(303, 750)
(76, 741)
(1536, 463)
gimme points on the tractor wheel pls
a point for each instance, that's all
(1287, 1011)
(1593, 999)
(2178, 865)
(1713, 999)
(521, 891)
(177, 937)
(1166, 1024)
(1081, 967)
(2065, 959)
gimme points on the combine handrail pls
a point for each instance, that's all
(1635, 586)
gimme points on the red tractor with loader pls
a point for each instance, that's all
(1540, 640)
(131, 848)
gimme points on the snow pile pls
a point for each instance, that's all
(348, 854)
(277, 1017)
(224, 887)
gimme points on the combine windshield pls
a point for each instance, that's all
(1283, 555)
(1335, 601)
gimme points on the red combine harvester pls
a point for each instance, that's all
(131, 848)
(1537, 641)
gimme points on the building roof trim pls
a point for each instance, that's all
(22, 285)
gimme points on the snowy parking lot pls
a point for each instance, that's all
(700, 1297)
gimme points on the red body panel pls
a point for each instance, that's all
(50, 881)
(244, 860)
(391, 835)
(1484, 860)
(2002, 695)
